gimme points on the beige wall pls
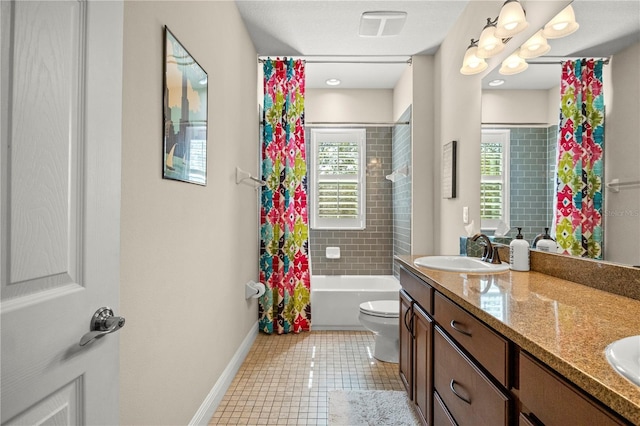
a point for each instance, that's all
(187, 250)
(457, 118)
(403, 93)
(348, 105)
(517, 107)
(423, 150)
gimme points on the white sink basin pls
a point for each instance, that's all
(460, 264)
(624, 357)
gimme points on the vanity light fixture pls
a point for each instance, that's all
(472, 64)
(496, 82)
(489, 45)
(514, 64)
(563, 24)
(511, 20)
(535, 46)
(333, 82)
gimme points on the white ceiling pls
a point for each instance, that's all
(321, 30)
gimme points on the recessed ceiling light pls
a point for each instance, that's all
(333, 82)
(497, 82)
(381, 24)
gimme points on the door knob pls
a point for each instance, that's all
(103, 322)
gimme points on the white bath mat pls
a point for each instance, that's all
(375, 408)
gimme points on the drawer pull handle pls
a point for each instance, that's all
(405, 320)
(453, 325)
(453, 389)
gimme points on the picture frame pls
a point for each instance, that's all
(185, 86)
(449, 170)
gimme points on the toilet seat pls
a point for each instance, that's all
(381, 308)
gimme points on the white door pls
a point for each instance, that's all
(61, 90)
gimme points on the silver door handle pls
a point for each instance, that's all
(103, 322)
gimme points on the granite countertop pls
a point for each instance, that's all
(563, 324)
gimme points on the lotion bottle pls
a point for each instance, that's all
(519, 253)
(546, 243)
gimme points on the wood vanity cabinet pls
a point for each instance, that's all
(548, 399)
(405, 363)
(489, 349)
(416, 334)
(422, 363)
(459, 371)
(467, 393)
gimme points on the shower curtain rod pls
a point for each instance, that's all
(356, 123)
(558, 60)
(348, 60)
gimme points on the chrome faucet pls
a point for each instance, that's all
(490, 253)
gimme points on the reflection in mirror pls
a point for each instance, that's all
(526, 107)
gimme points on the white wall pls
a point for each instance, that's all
(553, 105)
(403, 93)
(348, 105)
(423, 154)
(187, 250)
(517, 107)
(622, 157)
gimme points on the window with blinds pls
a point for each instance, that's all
(494, 181)
(338, 178)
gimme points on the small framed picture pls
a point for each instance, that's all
(449, 170)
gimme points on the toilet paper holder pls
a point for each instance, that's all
(253, 290)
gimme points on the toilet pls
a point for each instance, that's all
(381, 318)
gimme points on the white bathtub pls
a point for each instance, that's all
(336, 299)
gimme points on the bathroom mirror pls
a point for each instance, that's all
(526, 105)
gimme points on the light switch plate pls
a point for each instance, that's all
(465, 214)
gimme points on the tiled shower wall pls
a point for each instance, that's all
(368, 251)
(401, 189)
(532, 176)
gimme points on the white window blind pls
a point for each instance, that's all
(494, 181)
(338, 178)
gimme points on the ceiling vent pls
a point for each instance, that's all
(381, 24)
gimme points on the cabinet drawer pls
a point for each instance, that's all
(420, 291)
(470, 397)
(487, 347)
(441, 416)
(546, 396)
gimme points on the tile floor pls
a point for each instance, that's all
(284, 379)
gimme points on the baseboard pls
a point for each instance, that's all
(211, 402)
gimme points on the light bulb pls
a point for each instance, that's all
(510, 26)
(536, 46)
(560, 26)
(514, 64)
(489, 45)
(563, 24)
(511, 20)
(471, 63)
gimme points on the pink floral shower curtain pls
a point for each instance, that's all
(284, 259)
(578, 218)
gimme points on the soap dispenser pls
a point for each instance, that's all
(519, 253)
(546, 243)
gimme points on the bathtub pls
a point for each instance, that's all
(336, 299)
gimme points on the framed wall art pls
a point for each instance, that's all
(449, 170)
(185, 114)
